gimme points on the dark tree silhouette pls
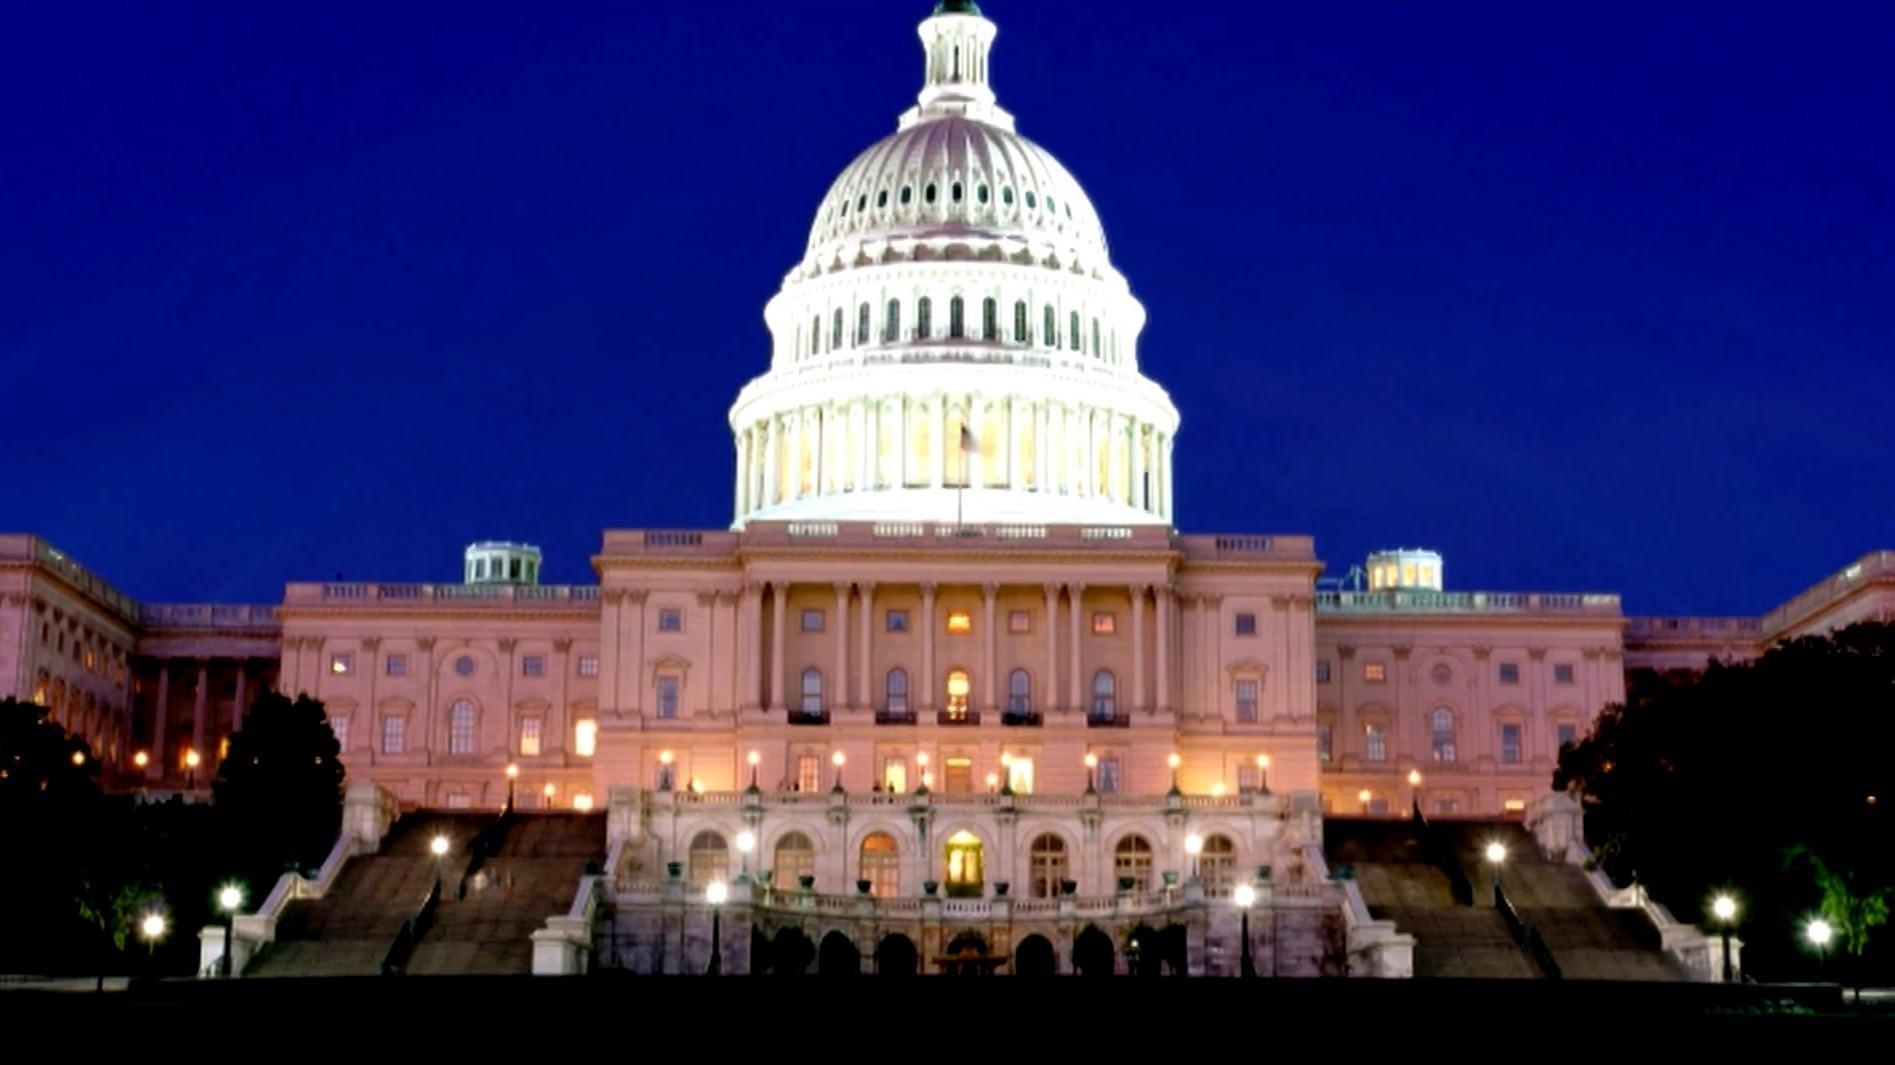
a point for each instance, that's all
(279, 789)
(53, 810)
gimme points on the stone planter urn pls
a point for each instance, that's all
(674, 870)
(1068, 887)
(1171, 879)
(862, 886)
(1000, 889)
(1125, 883)
(929, 887)
(807, 881)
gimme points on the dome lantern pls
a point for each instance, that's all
(957, 38)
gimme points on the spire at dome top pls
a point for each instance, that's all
(957, 38)
(957, 7)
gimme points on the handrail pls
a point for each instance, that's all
(1434, 847)
(395, 962)
(1526, 935)
(485, 844)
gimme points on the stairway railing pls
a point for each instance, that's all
(485, 845)
(1525, 935)
(395, 962)
(1439, 852)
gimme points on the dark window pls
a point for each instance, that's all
(891, 329)
(954, 192)
(862, 325)
(1246, 624)
(980, 193)
(1019, 323)
(1050, 333)
(1029, 199)
(957, 325)
(907, 194)
(1006, 195)
(928, 193)
(881, 198)
(990, 319)
(896, 621)
(1073, 336)
(924, 318)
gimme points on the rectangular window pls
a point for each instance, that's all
(460, 730)
(1563, 673)
(585, 737)
(1249, 778)
(529, 737)
(394, 735)
(395, 665)
(1447, 806)
(670, 619)
(1374, 672)
(808, 773)
(459, 800)
(1246, 624)
(812, 621)
(340, 726)
(1568, 734)
(895, 621)
(533, 666)
(1109, 774)
(1376, 743)
(1104, 623)
(1020, 775)
(588, 665)
(1510, 744)
(960, 775)
(667, 697)
(1247, 701)
(1325, 742)
(342, 665)
(1509, 673)
(1019, 621)
(960, 622)
(1322, 672)
(894, 775)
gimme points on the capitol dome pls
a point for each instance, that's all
(955, 344)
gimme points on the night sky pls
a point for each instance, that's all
(1589, 296)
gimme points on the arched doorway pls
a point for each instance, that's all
(1174, 949)
(838, 957)
(896, 956)
(880, 865)
(795, 859)
(710, 859)
(1092, 952)
(1034, 957)
(1046, 866)
(791, 952)
(967, 955)
(1144, 951)
(964, 877)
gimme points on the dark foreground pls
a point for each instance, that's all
(348, 1015)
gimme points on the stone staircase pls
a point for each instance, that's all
(532, 877)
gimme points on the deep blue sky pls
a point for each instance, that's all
(1590, 296)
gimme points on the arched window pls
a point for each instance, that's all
(1441, 734)
(897, 692)
(924, 318)
(957, 318)
(1049, 331)
(795, 859)
(1020, 335)
(954, 192)
(1095, 338)
(835, 331)
(1131, 863)
(980, 193)
(958, 687)
(1019, 694)
(1030, 201)
(815, 335)
(1006, 195)
(881, 865)
(710, 859)
(928, 193)
(461, 719)
(881, 198)
(862, 325)
(1046, 866)
(1217, 865)
(891, 326)
(1105, 695)
(1073, 337)
(812, 692)
(990, 319)
(907, 194)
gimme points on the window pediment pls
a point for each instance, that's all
(1247, 667)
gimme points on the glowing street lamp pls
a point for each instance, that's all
(141, 759)
(548, 791)
(152, 928)
(1092, 763)
(836, 760)
(755, 758)
(1496, 855)
(993, 782)
(715, 893)
(513, 774)
(1414, 793)
(78, 758)
(1194, 846)
(1263, 773)
(1818, 932)
(1245, 897)
(1363, 797)
(746, 842)
(1174, 762)
(229, 900)
(191, 760)
(1724, 908)
(438, 847)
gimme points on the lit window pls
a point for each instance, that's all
(1514, 806)
(582, 802)
(529, 736)
(1109, 774)
(710, 859)
(588, 665)
(1247, 701)
(339, 726)
(670, 619)
(808, 773)
(461, 720)
(1376, 743)
(1046, 865)
(1217, 865)
(1510, 744)
(1441, 734)
(668, 697)
(1020, 775)
(960, 622)
(341, 664)
(1568, 734)
(1322, 672)
(1246, 624)
(1131, 863)
(1563, 673)
(1104, 623)
(964, 873)
(894, 775)
(1374, 672)
(895, 621)
(1105, 696)
(960, 775)
(958, 687)
(812, 621)
(1509, 673)
(533, 666)
(881, 860)
(395, 665)
(585, 737)
(394, 735)
(1325, 742)
(795, 859)
(1019, 621)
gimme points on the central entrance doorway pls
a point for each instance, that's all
(964, 877)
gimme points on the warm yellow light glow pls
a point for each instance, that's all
(513, 771)
(927, 780)
(438, 846)
(1414, 778)
(1818, 932)
(1217, 790)
(1244, 896)
(223, 748)
(1514, 806)
(230, 897)
(1263, 761)
(191, 758)
(585, 737)
(716, 892)
(697, 786)
(1364, 795)
(921, 759)
(1174, 761)
(548, 790)
(664, 757)
(1193, 844)
(960, 622)
(141, 759)
(993, 780)
(1006, 759)
(754, 758)
(78, 758)
(1496, 852)
(958, 685)
(837, 759)
(582, 801)
(1020, 776)
(153, 926)
(746, 841)
(1092, 760)
(1724, 907)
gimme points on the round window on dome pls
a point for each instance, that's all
(1029, 200)
(928, 193)
(845, 208)
(1006, 195)
(980, 193)
(906, 195)
(1069, 210)
(881, 198)
(861, 203)
(954, 192)
(1050, 205)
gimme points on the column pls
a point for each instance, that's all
(1013, 442)
(868, 440)
(898, 477)
(779, 592)
(1076, 592)
(630, 680)
(1163, 699)
(840, 700)
(1140, 497)
(865, 689)
(769, 447)
(198, 708)
(160, 721)
(937, 476)
(743, 470)
(1049, 692)
(1138, 647)
(988, 592)
(973, 473)
(1164, 462)
(927, 649)
(1089, 466)
(237, 711)
(752, 626)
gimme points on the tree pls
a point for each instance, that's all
(52, 807)
(1851, 908)
(1705, 781)
(113, 910)
(278, 791)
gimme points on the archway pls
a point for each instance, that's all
(1034, 957)
(1174, 949)
(1144, 951)
(791, 952)
(1092, 952)
(838, 957)
(896, 956)
(967, 955)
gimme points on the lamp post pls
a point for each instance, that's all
(1245, 897)
(1193, 846)
(755, 758)
(1263, 773)
(1818, 932)
(1092, 763)
(746, 842)
(140, 760)
(548, 791)
(666, 782)
(836, 760)
(715, 893)
(191, 760)
(1414, 793)
(1496, 854)
(1724, 908)
(513, 774)
(927, 778)
(152, 928)
(1363, 797)
(993, 782)
(438, 847)
(230, 900)
(1174, 762)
